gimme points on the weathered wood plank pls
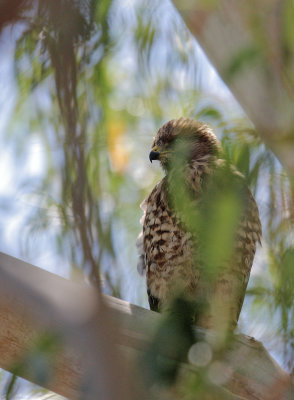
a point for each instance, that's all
(39, 307)
(44, 302)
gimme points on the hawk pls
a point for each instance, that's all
(171, 246)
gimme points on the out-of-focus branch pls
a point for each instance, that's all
(248, 47)
(76, 189)
(12, 12)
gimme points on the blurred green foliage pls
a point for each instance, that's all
(95, 80)
(38, 363)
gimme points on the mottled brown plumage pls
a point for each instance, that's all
(170, 253)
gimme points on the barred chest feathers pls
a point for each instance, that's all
(169, 250)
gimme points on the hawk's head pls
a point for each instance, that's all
(184, 137)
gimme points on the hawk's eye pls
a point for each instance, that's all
(182, 147)
(177, 142)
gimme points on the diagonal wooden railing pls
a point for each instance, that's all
(60, 335)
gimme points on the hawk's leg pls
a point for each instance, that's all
(153, 301)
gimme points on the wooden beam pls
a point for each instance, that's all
(37, 307)
(245, 42)
(59, 334)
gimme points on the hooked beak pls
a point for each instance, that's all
(154, 154)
